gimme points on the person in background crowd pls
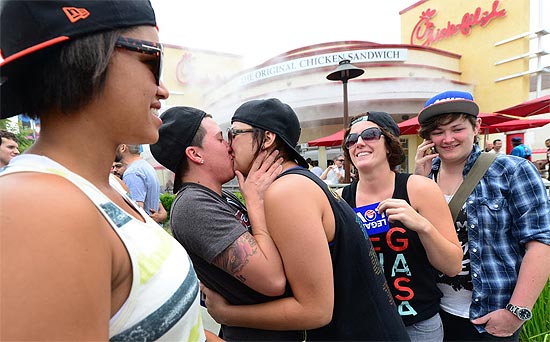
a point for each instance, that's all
(316, 170)
(547, 143)
(489, 146)
(417, 213)
(80, 261)
(519, 149)
(229, 244)
(497, 147)
(142, 181)
(119, 166)
(338, 288)
(503, 226)
(9, 147)
(334, 174)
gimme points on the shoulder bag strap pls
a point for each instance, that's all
(474, 176)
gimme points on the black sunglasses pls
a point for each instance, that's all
(232, 132)
(369, 134)
(146, 47)
(341, 160)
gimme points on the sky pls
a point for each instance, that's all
(260, 30)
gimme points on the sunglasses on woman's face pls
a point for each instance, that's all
(369, 134)
(146, 47)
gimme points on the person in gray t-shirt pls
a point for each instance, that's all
(229, 244)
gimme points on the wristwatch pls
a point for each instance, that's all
(522, 313)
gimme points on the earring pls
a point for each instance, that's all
(202, 161)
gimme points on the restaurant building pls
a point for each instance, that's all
(490, 48)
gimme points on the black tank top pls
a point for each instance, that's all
(363, 306)
(411, 277)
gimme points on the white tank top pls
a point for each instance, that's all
(164, 299)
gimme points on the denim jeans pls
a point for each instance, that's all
(428, 330)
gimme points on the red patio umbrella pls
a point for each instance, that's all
(536, 106)
(335, 139)
(408, 127)
(515, 125)
(488, 119)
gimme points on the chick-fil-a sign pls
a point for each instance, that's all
(425, 32)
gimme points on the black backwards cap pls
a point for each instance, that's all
(274, 116)
(28, 27)
(179, 126)
(382, 119)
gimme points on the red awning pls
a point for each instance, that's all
(536, 106)
(335, 139)
(515, 125)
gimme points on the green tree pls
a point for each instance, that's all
(20, 132)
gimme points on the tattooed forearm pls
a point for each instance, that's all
(235, 257)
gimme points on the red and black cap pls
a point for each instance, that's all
(27, 27)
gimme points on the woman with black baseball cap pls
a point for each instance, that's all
(338, 288)
(80, 260)
(416, 212)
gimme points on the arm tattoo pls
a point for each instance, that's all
(235, 257)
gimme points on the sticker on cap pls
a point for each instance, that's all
(373, 221)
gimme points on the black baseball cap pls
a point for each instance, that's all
(274, 116)
(179, 126)
(31, 27)
(382, 119)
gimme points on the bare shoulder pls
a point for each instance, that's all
(54, 236)
(424, 192)
(48, 199)
(293, 187)
(47, 210)
(421, 183)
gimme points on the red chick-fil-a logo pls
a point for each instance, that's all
(425, 33)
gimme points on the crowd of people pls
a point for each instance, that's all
(456, 251)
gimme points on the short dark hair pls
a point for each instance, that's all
(440, 120)
(495, 141)
(395, 155)
(8, 135)
(64, 77)
(198, 140)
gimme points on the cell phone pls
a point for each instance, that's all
(433, 150)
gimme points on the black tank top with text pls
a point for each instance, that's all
(410, 276)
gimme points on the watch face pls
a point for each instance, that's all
(524, 314)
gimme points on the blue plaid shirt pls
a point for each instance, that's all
(508, 208)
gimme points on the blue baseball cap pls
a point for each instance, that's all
(448, 102)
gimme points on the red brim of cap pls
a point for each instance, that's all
(33, 49)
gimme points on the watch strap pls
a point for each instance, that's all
(515, 310)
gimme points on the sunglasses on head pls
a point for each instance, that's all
(232, 133)
(146, 47)
(369, 134)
